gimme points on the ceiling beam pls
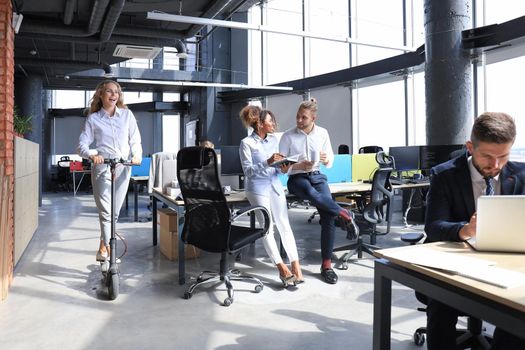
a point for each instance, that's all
(259, 27)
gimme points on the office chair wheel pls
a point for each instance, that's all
(344, 266)
(309, 220)
(419, 338)
(187, 295)
(258, 288)
(228, 301)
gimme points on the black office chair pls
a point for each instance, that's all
(343, 149)
(472, 337)
(371, 212)
(370, 149)
(64, 180)
(208, 221)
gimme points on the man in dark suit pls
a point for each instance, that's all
(451, 209)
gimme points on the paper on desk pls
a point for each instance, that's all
(470, 267)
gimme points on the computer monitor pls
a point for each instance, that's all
(430, 156)
(231, 163)
(406, 158)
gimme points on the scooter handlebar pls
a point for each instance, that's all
(118, 160)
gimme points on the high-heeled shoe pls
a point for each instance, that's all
(299, 280)
(288, 281)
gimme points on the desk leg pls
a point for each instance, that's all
(127, 204)
(154, 218)
(182, 258)
(382, 309)
(135, 198)
(74, 184)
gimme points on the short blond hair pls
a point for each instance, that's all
(310, 105)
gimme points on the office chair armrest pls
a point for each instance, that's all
(253, 209)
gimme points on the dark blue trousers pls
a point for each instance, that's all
(314, 188)
(441, 330)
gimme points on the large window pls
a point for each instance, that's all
(380, 115)
(170, 133)
(283, 54)
(328, 18)
(378, 22)
(70, 99)
(501, 94)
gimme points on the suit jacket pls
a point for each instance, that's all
(450, 201)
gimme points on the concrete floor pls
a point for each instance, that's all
(57, 299)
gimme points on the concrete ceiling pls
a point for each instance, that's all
(70, 42)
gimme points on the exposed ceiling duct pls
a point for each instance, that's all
(60, 37)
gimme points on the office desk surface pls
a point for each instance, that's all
(512, 297)
(504, 308)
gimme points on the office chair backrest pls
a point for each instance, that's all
(379, 196)
(207, 216)
(343, 149)
(384, 160)
(370, 149)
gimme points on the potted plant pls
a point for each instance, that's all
(22, 124)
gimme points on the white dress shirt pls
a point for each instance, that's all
(254, 153)
(478, 183)
(295, 141)
(117, 136)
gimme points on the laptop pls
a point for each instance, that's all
(500, 224)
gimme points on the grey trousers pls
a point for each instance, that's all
(101, 182)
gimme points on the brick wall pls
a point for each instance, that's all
(6, 145)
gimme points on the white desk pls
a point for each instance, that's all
(504, 308)
(135, 182)
(74, 176)
(236, 198)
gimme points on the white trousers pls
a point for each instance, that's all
(276, 206)
(101, 182)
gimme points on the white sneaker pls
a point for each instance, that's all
(102, 256)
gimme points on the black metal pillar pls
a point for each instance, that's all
(448, 72)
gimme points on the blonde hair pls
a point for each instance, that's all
(250, 116)
(96, 100)
(310, 105)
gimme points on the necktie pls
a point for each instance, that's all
(489, 190)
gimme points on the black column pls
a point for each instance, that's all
(448, 72)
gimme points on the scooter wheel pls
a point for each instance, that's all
(104, 267)
(187, 295)
(258, 288)
(228, 301)
(113, 287)
(419, 338)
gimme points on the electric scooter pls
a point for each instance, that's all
(110, 267)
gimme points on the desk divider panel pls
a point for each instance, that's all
(341, 170)
(363, 166)
(142, 169)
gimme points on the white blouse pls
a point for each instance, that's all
(254, 153)
(112, 137)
